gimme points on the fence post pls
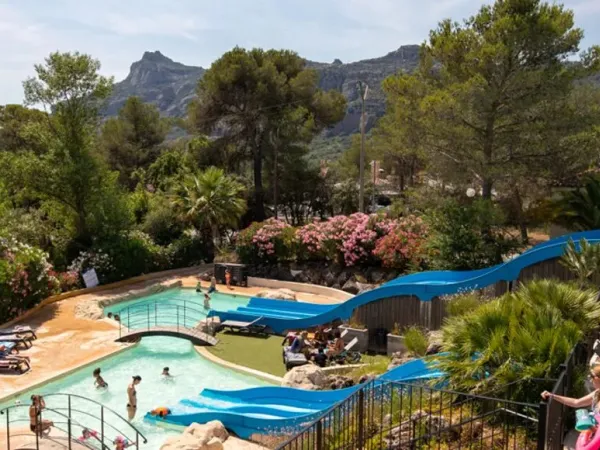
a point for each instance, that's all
(69, 430)
(155, 315)
(319, 435)
(102, 426)
(8, 429)
(542, 426)
(177, 318)
(361, 418)
(148, 309)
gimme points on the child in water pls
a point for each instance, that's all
(99, 381)
(206, 301)
(165, 373)
(199, 286)
(121, 443)
(86, 434)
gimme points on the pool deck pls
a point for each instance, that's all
(66, 342)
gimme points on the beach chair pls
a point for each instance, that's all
(245, 327)
(14, 363)
(18, 340)
(347, 355)
(292, 360)
(19, 329)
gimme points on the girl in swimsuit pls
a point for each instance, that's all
(99, 381)
(132, 397)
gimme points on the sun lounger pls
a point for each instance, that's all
(294, 360)
(19, 329)
(14, 363)
(245, 327)
(17, 340)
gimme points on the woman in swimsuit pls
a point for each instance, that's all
(36, 424)
(132, 397)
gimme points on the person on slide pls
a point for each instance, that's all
(591, 439)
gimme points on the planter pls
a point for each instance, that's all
(395, 344)
(363, 338)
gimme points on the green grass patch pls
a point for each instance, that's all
(375, 364)
(257, 353)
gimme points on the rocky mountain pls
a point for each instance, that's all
(171, 85)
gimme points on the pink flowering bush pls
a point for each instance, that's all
(26, 278)
(269, 241)
(68, 281)
(346, 240)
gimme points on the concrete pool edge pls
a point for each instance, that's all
(203, 351)
(65, 373)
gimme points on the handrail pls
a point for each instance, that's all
(104, 407)
(58, 410)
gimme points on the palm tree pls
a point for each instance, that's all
(522, 336)
(580, 209)
(583, 262)
(210, 199)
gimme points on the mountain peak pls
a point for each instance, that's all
(155, 57)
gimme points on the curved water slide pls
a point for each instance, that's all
(277, 409)
(281, 316)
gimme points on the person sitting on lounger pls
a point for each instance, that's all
(320, 337)
(98, 380)
(320, 358)
(36, 424)
(300, 344)
(338, 345)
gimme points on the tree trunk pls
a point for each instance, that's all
(520, 215)
(259, 195)
(486, 189)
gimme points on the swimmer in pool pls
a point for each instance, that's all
(99, 381)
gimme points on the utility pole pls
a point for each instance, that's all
(276, 148)
(363, 89)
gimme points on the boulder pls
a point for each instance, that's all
(377, 276)
(309, 377)
(278, 294)
(89, 310)
(340, 382)
(364, 287)
(433, 349)
(329, 278)
(207, 431)
(351, 287)
(398, 359)
(366, 378)
(209, 436)
(343, 277)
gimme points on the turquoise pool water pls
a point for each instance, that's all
(192, 373)
(183, 306)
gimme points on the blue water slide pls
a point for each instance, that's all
(281, 316)
(274, 409)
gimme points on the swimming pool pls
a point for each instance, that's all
(180, 305)
(192, 373)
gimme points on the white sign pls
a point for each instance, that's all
(90, 278)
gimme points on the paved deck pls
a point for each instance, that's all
(197, 337)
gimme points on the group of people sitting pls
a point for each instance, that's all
(322, 348)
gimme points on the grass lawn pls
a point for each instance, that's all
(258, 353)
(264, 354)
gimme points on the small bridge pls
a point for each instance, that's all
(175, 318)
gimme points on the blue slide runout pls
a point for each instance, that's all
(275, 409)
(281, 316)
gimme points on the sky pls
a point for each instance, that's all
(196, 32)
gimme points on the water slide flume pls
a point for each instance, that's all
(424, 285)
(278, 409)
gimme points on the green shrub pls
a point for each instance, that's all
(468, 236)
(26, 278)
(190, 249)
(461, 304)
(416, 341)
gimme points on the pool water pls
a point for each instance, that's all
(183, 306)
(191, 373)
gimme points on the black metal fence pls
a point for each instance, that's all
(70, 414)
(394, 415)
(399, 416)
